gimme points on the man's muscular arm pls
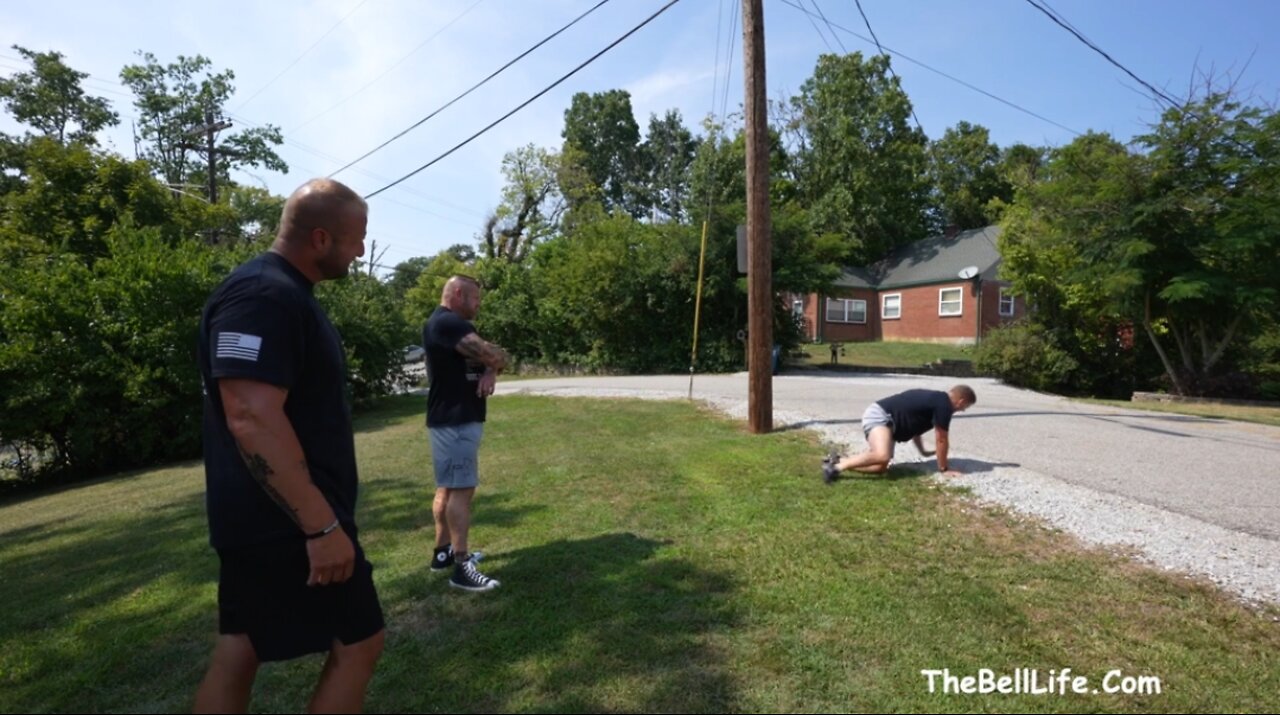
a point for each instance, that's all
(476, 348)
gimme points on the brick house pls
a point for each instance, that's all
(916, 294)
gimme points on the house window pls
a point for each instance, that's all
(846, 310)
(1006, 303)
(950, 301)
(891, 308)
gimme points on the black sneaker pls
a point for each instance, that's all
(442, 559)
(829, 471)
(468, 578)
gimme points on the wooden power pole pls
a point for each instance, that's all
(759, 239)
(211, 151)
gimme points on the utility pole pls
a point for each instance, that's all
(759, 238)
(211, 151)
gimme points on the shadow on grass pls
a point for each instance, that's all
(584, 625)
(404, 503)
(107, 615)
(389, 411)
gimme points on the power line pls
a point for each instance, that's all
(728, 74)
(890, 66)
(376, 177)
(818, 7)
(299, 57)
(473, 88)
(1157, 94)
(818, 30)
(373, 81)
(528, 101)
(939, 72)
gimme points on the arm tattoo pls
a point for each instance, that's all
(261, 473)
(476, 348)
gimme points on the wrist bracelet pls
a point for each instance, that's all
(325, 531)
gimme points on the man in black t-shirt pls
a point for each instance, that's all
(280, 464)
(904, 416)
(462, 369)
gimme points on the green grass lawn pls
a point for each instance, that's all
(883, 354)
(1244, 413)
(653, 557)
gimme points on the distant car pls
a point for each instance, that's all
(414, 353)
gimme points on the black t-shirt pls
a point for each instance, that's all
(263, 323)
(915, 412)
(451, 396)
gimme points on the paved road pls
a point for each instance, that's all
(1219, 472)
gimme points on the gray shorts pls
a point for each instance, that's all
(873, 417)
(455, 452)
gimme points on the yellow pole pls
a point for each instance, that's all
(697, 308)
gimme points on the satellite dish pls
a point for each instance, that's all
(968, 272)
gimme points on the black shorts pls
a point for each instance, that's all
(263, 593)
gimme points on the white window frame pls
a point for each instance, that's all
(845, 314)
(959, 301)
(1012, 304)
(884, 306)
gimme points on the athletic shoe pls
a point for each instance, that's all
(829, 471)
(468, 578)
(442, 559)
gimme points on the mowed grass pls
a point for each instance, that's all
(654, 557)
(883, 354)
(1243, 413)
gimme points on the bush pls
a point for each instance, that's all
(374, 333)
(1024, 355)
(97, 363)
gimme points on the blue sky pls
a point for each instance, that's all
(423, 53)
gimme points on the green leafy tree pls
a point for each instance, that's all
(50, 99)
(965, 168)
(531, 205)
(859, 164)
(1179, 241)
(421, 300)
(70, 198)
(667, 157)
(96, 361)
(175, 102)
(600, 131)
(373, 329)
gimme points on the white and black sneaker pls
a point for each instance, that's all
(468, 578)
(442, 559)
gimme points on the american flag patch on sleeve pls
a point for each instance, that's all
(239, 346)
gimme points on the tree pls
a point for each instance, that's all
(405, 275)
(420, 300)
(602, 130)
(71, 197)
(374, 332)
(175, 106)
(1020, 164)
(531, 204)
(50, 99)
(256, 213)
(1180, 241)
(667, 155)
(965, 168)
(860, 167)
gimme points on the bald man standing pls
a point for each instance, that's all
(462, 369)
(280, 464)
